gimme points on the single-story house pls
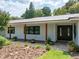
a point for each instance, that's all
(62, 27)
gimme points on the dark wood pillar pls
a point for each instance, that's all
(46, 32)
(25, 32)
(9, 29)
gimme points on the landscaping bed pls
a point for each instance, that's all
(20, 52)
(55, 54)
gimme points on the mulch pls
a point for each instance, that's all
(20, 52)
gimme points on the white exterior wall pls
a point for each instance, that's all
(77, 33)
(52, 32)
(19, 32)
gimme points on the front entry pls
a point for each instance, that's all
(64, 32)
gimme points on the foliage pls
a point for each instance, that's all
(60, 11)
(8, 42)
(69, 3)
(29, 13)
(15, 38)
(15, 18)
(55, 54)
(71, 43)
(26, 14)
(25, 44)
(4, 41)
(4, 18)
(49, 41)
(32, 10)
(33, 41)
(46, 11)
(37, 46)
(74, 8)
(18, 44)
(73, 47)
(48, 47)
(38, 13)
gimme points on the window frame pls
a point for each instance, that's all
(33, 30)
(12, 30)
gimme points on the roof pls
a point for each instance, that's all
(49, 18)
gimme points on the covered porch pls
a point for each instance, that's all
(55, 30)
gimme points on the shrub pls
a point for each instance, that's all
(18, 44)
(33, 41)
(71, 46)
(4, 41)
(37, 46)
(48, 47)
(8, 42)
(49, 41)
(25, 44)
(15, 38)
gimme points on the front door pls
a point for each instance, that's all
(64, 32)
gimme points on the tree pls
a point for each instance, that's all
(74, 8)
(70, 3)
(29, 13)
(46, 11)
(4, 18)
(69, 7)
(38, 13)
(26, 14)
(15, 18)
(60, 11)
(32, 10)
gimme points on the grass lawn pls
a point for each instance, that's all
(55, 54)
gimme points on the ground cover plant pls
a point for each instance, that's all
(55, 54)
(4, 41)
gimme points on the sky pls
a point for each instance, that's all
(18, 7)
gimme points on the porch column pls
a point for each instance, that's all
(9, 29)
(77, 36)
(73, 32)
(46, 31)
(25, 32)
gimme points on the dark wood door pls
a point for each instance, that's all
(64, 32)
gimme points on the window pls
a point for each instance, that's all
(68, 31)
(74, 31)
(33, 30)
(11, 30)
(60, 31)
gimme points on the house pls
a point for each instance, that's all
(63, 27)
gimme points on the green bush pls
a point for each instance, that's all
(4, 41)
(33, 41)
(48, 47)
(71, 43)
(73, 47)
(49, 41)
(25, 44)
(15, 38)
(37, 46)
(8, 42)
